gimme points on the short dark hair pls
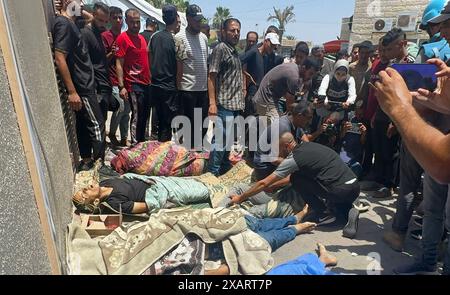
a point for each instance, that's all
(129, 11)
(303, 107)
(101, 6)
(392, 36)
(302, 47)
(252, 32)
(273, 29)
(311, 63)
(230, 20)
(113, 10)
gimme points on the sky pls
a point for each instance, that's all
(317, 21)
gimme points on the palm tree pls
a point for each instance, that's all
(220, 16)
(284, 17)
(180, 4)
(290, 37)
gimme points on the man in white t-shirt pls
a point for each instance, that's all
(193, 75)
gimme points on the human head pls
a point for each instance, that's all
(444, 22)
(273, 29)
(87, 199)
(342, 54)
(341, 70)
(301, 52)
(133, 20)
(171, 18)
(395, 44)
(116, 18)
(318, 52)
(252, 39)
(365, 51)
(271, 42)
(309, 69)
(355, 53)
(302, 114)
(151, 24)
(194, 18)
(231, 31)
(206, 29)
(101, 16)
(286, 144)
(430, 15)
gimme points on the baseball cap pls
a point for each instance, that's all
(195, 12)
(169, 14)
(445, 15)
(274, 38)
(151, 20)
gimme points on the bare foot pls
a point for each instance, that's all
(305, 227)
(300, 215)
(325, 257)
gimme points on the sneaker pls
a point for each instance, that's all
(351, 228)
(395, 240)
(417, 268)
(383, 193)
(83, 166)
(416, 234)
(418, 221)
(325, 218)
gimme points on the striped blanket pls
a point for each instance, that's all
(154, 158)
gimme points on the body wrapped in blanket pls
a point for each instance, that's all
(154, 158)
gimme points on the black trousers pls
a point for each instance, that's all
(386, 155)
(367, 161)
(91, 129)
(340, 197)
(140, 113)
(190, 101)
(107, 102)
(167, 107)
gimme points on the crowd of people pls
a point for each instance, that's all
(324, 123)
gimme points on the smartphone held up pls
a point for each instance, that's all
(418, 76)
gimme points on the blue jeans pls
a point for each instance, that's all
(121, 117)
(276, 231)
(219, 162)
(436, 207)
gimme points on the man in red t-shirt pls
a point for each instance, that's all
(122, 116)
(133, 74)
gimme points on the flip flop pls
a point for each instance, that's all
(362, 205)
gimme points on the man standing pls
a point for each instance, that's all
(226, 97)
(359, 69)
(77, 72)
(151, 27)
(193, 85)
(386, 137)
(285, 80)
(91, 34)
(167, 55)
(253, 62)
(122, 116)
(133, 73)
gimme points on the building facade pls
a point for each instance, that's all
(373, 18)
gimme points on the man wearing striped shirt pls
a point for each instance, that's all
(226, 97)
(193, 76)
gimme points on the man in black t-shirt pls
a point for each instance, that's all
(75, 67)
(91, 35)
(316, 172)
(151, 27)
(165, 60)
